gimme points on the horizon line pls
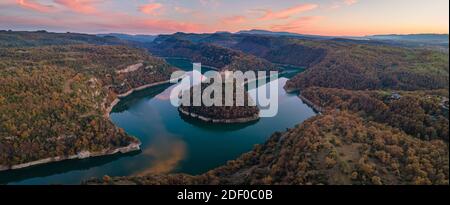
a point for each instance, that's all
(157, 34)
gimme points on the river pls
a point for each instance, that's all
(171, 143)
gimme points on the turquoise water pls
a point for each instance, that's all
(170, 142)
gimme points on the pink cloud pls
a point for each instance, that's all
(286, 13)
(150, 8)
(111, 23)
(30, 4)
(350, 2)
(234, 20)
(302, 24)
(80, 6)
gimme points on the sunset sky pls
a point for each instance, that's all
(322, 17)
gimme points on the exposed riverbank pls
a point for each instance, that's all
(222, 121)
(80, 155)
(88, 154)
(315, 107)
(182, 58)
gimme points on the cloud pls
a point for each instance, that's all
(210, 3)
(298, 25)
(79, 6)
(350, 2)
(150, 9)
(102, 24)
(170, 25)
(33, 5)
(339, 4)
(234, 20)
(182, 10)
(286, 13)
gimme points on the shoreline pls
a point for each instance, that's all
(131, 91)
(81, 155)
(291, 90)
(142, 87)
(88, 154)
(223, 121)
(183, 58)
(315, 107)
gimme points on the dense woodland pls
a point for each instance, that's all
(208, 54)
(333, 63)
(335, 148)
(385, 118)
(357, 67)
(43, 38)
(420, 113)
(249, 110)
(53, 98)
(371, 136)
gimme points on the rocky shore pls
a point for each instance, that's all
(87, 154)
(80, 155)
(129, 92)
(224, 121)
(315, 107)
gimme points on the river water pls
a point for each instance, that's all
(171, 143)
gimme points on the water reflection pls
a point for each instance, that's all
(170, 144)
(60, 167)
(137, 96)
(167, 152)
(216, 126)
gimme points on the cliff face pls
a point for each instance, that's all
(334, 148)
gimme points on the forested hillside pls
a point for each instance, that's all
(366, 134)
(233, 113)
(44, 38)
(208, 54)
(384, 109)
(357, 67)
(422, 114)
(330, 62)
(335, 148)
(53, 99)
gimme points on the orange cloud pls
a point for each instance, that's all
(150, 8)
(30, 4)
(286, 13)
(80, 6)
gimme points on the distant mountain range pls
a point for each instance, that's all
(434, 41)
(272, 33)
(410, 40)
(136, 38)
